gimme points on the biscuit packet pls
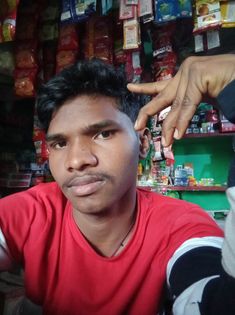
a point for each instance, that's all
(207, 16)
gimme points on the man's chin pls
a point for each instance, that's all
(92, 205)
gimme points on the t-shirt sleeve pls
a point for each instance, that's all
(195, 263)
(191, 222)
(225, 101)
(17, 212)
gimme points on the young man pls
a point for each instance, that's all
(91, 242)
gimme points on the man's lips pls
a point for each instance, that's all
(85, 185)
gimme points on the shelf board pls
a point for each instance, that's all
(208, 135)
(186, 188)
(197, 188)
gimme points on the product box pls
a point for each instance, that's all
(225, 125)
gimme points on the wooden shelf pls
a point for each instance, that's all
(197, 188)
(186, 188)
(208, 135)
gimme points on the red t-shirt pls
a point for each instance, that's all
(65, 274)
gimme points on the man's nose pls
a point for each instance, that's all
(79, 157)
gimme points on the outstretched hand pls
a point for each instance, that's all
(196, 78)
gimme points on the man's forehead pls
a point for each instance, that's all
(89, 113)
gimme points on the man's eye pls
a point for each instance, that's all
(106, 134)
(58, 145)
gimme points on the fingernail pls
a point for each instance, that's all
(176, 134)
(136, 125)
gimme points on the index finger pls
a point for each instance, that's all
(159, 102)
(148, 88)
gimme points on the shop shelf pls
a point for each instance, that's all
(208, 135)
(186, 188)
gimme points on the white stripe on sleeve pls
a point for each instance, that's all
(187, 303)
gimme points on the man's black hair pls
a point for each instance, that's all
(86, 77)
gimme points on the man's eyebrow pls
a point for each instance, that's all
(101, 125)
(54, 137)
(87, 129)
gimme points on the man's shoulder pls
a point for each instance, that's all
(51, 188)
(161, 201)
(47, 193)
(180, 219)
(37, 204)
(38, 193)
(169, 208)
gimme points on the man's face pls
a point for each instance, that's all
(93, 153)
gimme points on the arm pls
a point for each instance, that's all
(196, 280)
(197, 77)
(199, 283)
(228, 250)
(210, 289)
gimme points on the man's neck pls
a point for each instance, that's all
(109, 231)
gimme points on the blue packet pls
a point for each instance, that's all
(166, 10)
(77, 10)
(184, 8)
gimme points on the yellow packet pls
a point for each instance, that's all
(228, 13)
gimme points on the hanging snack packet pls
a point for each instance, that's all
(39, 139)
(66, 15)
(81, 10)
(161, 153)
(165, 10)
(8, 12)
(163, 70)
(145, 10)
(184, 8)
(103, 39)
(25, 81)
(207, 16)
(99, 38)
(131, 32)
(68, 37)
(67, 47)
(65, 58)
(9, 27)
(228, 13)
(164, 58)
(126, 11)
(26, 54)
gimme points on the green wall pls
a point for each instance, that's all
(210, 157)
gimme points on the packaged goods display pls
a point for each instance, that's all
(148, 39)
(8, 15)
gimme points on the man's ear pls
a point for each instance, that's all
(144, 138)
